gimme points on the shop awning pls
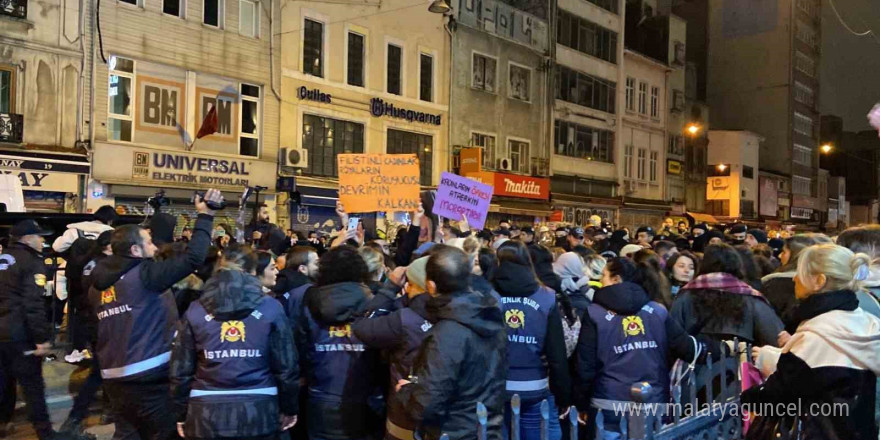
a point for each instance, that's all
(536, 209)
(702, 218)
(315, 196)
(44, 162)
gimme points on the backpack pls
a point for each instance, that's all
(78, 256)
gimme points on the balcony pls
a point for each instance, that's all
(14, 8)
(11, 126)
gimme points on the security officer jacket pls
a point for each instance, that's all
(623, 340)
(136, 312)
(535, 342)
(22, 283)
(233, 366)
(400, 333)
(341, 372)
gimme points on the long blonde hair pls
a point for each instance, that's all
(842, 268)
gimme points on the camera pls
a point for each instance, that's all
(158, 200)
(211, 204)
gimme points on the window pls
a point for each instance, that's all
(584, 36)
(655, 102)
(313, 48)
(173, 7)
(748, 172)
(803, 94)
(643, 91)
(640, 168)
(803, 124)
(580, 141)
(805, 64)
(519, 155)
(676, 145)
(324, 138)
(484, 69)
(131, 2)
(487, 143)
(249, 142)
(355, 59)
(747, 208)
(800, 185)
(403, 142)
(806, 33)
(608, 5)
(628, 161)
(802, 155)
(652, 168)
(7, 95)
(630, 94)
(213, 12)
(119, 103)
(426, 77)
(582, 89)
(520, 82)
(395, 61)
(248, 18)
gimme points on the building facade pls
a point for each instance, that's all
(159, 71)
(371, 77)
(587, 111)
(776, 99)
(733, 182)
(41, 114)
(499, 87)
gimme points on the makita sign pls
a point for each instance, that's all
(515, 185)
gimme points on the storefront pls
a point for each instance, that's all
(51, 182)
(637, 213)
(522, 200)
(128, 175)
(578, 211)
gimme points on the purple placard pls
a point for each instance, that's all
(458, 195)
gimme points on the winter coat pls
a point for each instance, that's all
(399, 333)
(621, 299)
(778, 288)
(511, 281)
(233, 296)
(22, 284)
(462, 361)
(90, 230)
(288, 279)
(759, 324)
(341, 373)
(836, 350)
(407, 245)
(186, 291)
(484, 287)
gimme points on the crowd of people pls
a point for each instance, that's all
(356, 338)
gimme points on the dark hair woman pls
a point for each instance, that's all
(266, 271)
(652, 266)
(255, 385)
(488, 262)
(681, 269)
(538, 364)
(719, 305)
(778, 287)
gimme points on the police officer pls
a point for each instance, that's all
(24, 329)
(538, 365)
(233, 368)
(136, 318)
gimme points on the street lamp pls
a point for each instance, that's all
(693, 128)
(826, 148)
(721, 167)
(440, 7)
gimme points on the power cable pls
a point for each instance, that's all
(850, 29)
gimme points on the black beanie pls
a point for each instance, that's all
(162, 228)
(760, 236)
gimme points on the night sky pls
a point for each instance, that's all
(850, 84)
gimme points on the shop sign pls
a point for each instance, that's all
(581, 216)
(514, 185)
(807, 202)
(556, 216)
(673, 167)
(471, 160)
(802, 213)
(769, 197)
(40, 181)
(313, 95)
(179, 169)
(379, 108)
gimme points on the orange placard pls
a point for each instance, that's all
(378, 182)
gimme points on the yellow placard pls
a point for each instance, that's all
(378, 182)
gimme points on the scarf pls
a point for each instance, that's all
(820, 303)
(723, 282)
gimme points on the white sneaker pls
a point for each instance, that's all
(74, 357)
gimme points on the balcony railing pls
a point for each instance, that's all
(14, 8)
(11, 126)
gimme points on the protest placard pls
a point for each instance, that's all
(378, 182)
(457, 196)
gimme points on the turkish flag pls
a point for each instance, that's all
(209, 125)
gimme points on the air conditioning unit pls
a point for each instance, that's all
(294, 157)
(504, 164)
